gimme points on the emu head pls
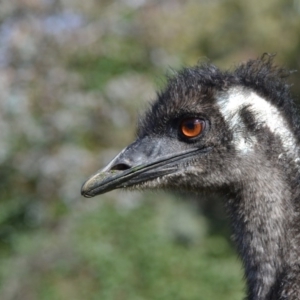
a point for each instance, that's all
(207, 129)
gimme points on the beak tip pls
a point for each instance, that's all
(86, 195)
(86, 190)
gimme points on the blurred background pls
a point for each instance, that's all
(73, 77)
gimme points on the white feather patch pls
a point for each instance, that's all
(268, 115)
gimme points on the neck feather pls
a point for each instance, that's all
(263, 218)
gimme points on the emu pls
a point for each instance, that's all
(234, 132)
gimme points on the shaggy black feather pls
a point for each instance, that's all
(204, 80)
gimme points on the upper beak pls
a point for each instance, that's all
(143, 160)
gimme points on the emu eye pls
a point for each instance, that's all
(192, 127)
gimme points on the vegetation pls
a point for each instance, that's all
(73, 77)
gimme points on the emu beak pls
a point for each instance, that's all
(143, 160)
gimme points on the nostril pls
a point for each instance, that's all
(120, 167)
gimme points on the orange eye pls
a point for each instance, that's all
(192, 127)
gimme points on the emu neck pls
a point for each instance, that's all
(262, 216)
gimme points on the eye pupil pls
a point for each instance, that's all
(191, 127)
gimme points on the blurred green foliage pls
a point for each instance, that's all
(116, 253)
(73, 77)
